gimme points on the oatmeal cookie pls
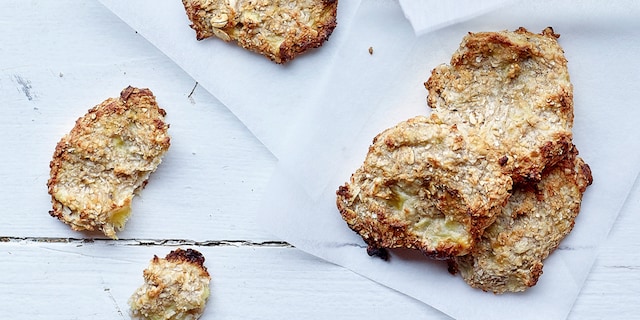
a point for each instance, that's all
(422, 187)
(511, 95)
(509, 256)
(277, 29)
(105, 159)
(175, 288)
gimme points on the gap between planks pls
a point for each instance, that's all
(151, 242)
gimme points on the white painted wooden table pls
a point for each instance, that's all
(58, 59)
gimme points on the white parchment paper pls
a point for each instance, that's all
(429, 15)
(265, 96)
(373, 92)
(319, 114)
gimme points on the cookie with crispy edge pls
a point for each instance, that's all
(508, 103)
(175, 288)
(106, 158)
(510, 92)
(509, 256)
(277, 29)
(422, 187)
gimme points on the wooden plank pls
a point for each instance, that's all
(60, 58)
(82, 280)
(78, 279)
(210, 182)
(613, 286)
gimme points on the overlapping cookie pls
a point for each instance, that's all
(509, 255)
(423, 187)
(510, 93)
(498, 191)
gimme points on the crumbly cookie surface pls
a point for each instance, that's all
(502, 115)
(105, 159)
(509, 256)
(175, 288)
(421, 187)
(511, 93)
(277, 29)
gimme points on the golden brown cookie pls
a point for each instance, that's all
(105, 159)
(502, 114)
(509, 256)
(277, 29)
(175, 288)
(511, 95)
(422, 187)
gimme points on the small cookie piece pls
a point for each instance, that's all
(509, 256)
(511, 95)
(422, 187)
(277, 29)
(175, 288)
(105, 159)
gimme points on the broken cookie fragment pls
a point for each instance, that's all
(106, 158)
(175, 288)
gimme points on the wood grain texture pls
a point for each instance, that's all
(613, 286)
(73, 54)
(94, 280)
(49, 80)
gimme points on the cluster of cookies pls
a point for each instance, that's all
(113, 149)
(490, 181)
(98, 168)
